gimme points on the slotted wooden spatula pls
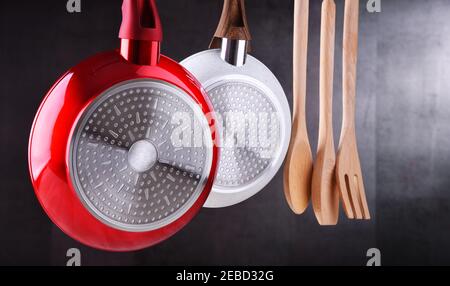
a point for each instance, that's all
(325, 197)
(348, 168)
(299, 164)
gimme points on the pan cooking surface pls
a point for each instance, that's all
(126, 168)
(245, 158)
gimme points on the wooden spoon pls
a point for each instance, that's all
(325, 197)
(299, 164)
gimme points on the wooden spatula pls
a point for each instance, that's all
(299, 164)
(348, 168)
(325, 197)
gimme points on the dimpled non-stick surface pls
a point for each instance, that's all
(127, 168)
(244, 107)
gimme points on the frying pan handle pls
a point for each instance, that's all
(232, 34)
(141, 32)
(140, 21)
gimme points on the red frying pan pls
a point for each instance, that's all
(121, 154)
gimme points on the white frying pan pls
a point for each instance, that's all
(250, 105)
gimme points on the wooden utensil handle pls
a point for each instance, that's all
(327, 71)
(350, 59)
(301, 19)
(233, 23)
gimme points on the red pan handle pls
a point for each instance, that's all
(140, 21)
(141, 32)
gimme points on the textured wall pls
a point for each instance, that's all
(403, 131)
(413, 132)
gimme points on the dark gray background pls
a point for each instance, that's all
(403, 131)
